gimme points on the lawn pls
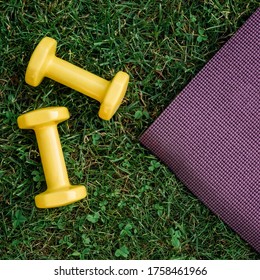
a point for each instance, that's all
(136, 208)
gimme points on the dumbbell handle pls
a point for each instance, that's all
(52, 157)
(77, 78)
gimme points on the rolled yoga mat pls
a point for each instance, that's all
(209, 136)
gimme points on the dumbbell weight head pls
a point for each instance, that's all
(114, 96)
(41, 57)
(42, 117)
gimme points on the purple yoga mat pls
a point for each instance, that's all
(209, 136)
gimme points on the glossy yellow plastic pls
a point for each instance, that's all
(59, 190)
(44, 63)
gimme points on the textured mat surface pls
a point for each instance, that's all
(209, 135)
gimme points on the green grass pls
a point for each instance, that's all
(136, 208)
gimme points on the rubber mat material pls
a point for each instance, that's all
(209, 136)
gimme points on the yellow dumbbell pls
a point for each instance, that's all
(59, 190)
(44, 63)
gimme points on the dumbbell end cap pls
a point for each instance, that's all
(114, 96)
(41, 117)
(61, 197)
(39, 60)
